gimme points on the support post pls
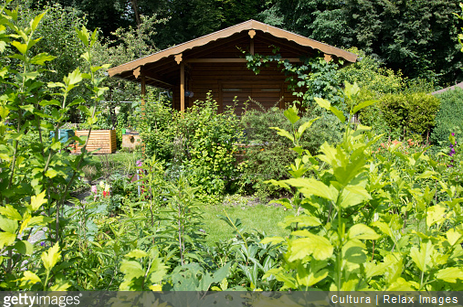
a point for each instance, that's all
(182, 87)
(143, 88)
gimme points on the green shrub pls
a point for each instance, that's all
(200, 142)
(449, 118)
(266, 154)
(401, 116)
(362, 222)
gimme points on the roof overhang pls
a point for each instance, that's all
(166, 57)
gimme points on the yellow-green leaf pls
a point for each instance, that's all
(25, 223)
(4, 112)
(131, 269)
(450, 274)
(51, 173)
(136, 253)
(41, 58)
(38, 200)
(453, 236)
(21, 47)
(6, 239)
(362, 232)
(306, 125)
(10, 212)
(272, 240)
(51, 257)
(436, 215)
(319, 247)
(35, 22)
(311, 186)
(284, 133)
(362, 105)
(29, 278)
(8, 224)
(422, 256)
(60, 287)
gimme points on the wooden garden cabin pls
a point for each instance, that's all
(215, 62)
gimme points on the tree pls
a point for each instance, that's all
(416, 37)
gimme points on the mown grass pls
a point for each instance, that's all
(259, 217)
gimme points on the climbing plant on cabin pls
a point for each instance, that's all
(314, 77)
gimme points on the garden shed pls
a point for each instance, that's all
(216, 63)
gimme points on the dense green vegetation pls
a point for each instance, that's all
(417, 37)
(358, 209)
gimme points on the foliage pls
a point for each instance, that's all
(366, 224)
(199, 142)
(416, 37)
(449, 118)
(36, 176)
(402, 116)
(265, 154)
(315, 77)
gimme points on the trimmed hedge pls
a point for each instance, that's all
(403, 115)
(449, 118)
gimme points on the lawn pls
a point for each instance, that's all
(254, 217)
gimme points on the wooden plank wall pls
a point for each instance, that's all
(227, 81)
(102, 140)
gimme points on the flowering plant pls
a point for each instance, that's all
(102, 188)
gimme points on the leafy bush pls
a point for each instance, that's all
(402, 115)
(366, 224)
(266, 155)
(449, 118)
(199, 142)
(36, 176)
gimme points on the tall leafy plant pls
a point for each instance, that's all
(362, 223)
(36, 171)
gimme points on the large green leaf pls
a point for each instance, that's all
(10, 212)
(6, 239)
(24, 247)
(362, 232)
(291, 114)
(310, 274)
(8, 225)
(41, 58)
(422, 256)
(327, 105)
(311, 186)
(362, 105)
(354, 195)
(319, 247)
(51, 257)
(284, 133)
(136, 253)
(450, 274)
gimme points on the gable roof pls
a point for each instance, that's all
(123, 70)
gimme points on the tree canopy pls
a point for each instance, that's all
(417, 37)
